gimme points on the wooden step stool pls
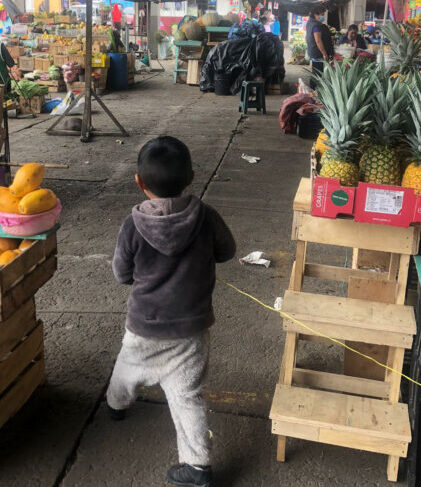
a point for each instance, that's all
(346, 410)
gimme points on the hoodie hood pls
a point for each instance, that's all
(169, 225)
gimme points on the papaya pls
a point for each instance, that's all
(28, 178)
(8, 202)
(8, 244)
(8, 256)
(37, 201)
(25, 244)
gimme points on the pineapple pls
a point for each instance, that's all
(412, 174)
(344, 94)
(320, 146)
(380, 162)
(404, 47)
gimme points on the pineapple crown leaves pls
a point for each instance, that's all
(345, 95)
(403, 45)
(390, 110)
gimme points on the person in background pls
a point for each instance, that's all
(372, 35)
(353, 38)
(116, 17)
(319, 41)
(270, 16)
(265, 23)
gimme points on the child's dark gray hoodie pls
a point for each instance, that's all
(167, 248)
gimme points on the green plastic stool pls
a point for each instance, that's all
(246, 97)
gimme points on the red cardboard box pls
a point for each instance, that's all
(331, 199)
(368, 203)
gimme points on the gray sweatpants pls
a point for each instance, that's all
(179, 366)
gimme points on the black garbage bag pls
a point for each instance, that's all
(243, 60)
(247, 29)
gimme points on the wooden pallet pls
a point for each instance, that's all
(21, 335)
(372, 319)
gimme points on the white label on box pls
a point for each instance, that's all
(384, 201)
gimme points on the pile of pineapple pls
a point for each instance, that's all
(372, 123)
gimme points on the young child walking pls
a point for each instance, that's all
(166, 250)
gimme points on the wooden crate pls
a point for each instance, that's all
(42, 63)
(31, 105)
(54, 86)
(21, 278)
(77, 59)
(26, 63)
(16, 51)
(60, 59)
(22, 367)
(48, 21)
(131, 57)
(101, 81)
(193, 72)
(64, 19)
(75, 86)
(57, 49)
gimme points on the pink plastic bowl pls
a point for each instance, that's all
(27, 225)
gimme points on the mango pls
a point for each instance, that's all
(37, 201)
(25, 244)
(8, 244)
(8, 202)
(8, 256)
(27, 179)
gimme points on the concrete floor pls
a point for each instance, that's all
(63, 437)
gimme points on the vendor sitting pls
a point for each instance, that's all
(353, 38)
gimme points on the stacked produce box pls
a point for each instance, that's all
(61, 45)
(26, 264)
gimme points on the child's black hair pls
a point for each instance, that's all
(165, 166)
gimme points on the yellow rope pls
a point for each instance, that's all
(338, 342)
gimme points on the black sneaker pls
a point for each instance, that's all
(116, 414)
(188, 476)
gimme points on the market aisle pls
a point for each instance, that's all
(63, 436)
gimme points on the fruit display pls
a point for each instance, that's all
(195, 29)
(371, 116)
(24, 196)
(344, 95)
(25, 208)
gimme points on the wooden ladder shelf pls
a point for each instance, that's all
(361, 408)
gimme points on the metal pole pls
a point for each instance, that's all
(87, 114)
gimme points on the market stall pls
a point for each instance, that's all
(50, 51)
(364, 193)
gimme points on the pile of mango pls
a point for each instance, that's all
(10, 248)
(24, 196)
